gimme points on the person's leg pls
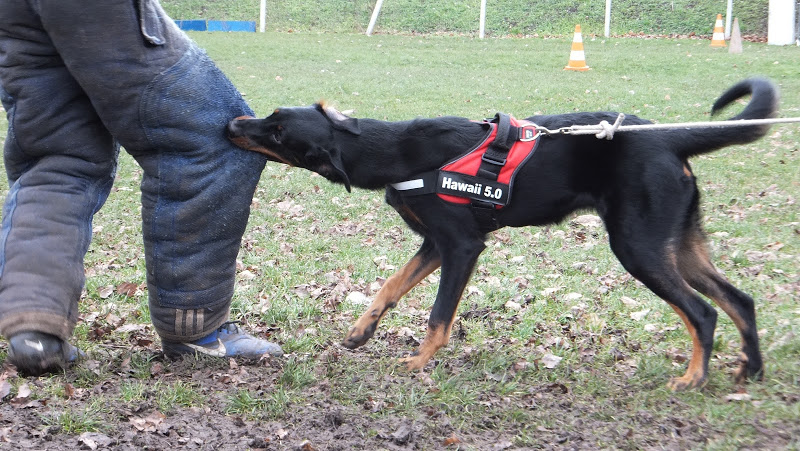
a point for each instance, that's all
(60, 163)
(168, 105)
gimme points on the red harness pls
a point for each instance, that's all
(469, 163)
(483, 177)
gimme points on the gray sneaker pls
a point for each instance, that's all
(227, 341)
(36, 353)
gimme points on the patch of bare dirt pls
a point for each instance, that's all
(322, 421)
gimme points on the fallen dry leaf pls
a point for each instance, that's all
(738, 397)
(69, 390)
(105, 292)
(149, 423)
(5, 389)
(306, 445)
(551, 290)
(357, 297)
(95, 440)
(551, 361)
(591, 221)
(23, 401)
(23, 392)
(638, 316)
(629, 302)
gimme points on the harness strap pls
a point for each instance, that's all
(492, 163)
(495, 156)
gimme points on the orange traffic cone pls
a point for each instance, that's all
(718, 39)
(577, 59)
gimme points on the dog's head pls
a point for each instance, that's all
(299, 136)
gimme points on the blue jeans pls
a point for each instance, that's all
(79, 79)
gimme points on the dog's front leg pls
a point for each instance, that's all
(420, 266)
(457, 266)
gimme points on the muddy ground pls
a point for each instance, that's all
(320, 422)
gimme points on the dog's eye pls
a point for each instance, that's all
(277, 133)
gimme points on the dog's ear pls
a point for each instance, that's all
(338, 119)
(336, 161)
(332, 163)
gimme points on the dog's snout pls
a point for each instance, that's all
(234, 126)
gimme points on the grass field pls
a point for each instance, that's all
(499, 384)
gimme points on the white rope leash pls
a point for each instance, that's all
(606, 130)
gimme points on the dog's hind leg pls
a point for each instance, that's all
(458, 261)
(648, 253)
(424, 262)
(698, 316)
(696, 268)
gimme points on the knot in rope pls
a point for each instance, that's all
(608, 130)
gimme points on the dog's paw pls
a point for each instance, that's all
(686, 382)
(356, 338)
(748, 371)
(361, 331)
(413, 362)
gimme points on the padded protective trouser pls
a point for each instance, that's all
(78, 78)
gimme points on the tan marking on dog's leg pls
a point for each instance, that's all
(695, 375)
(393, 289)
(740, 376)
(696, 264)
(687, 171)
(436, 338)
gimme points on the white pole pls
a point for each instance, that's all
(728, 18)
(780, 23)
(608, 18)
(262, 13)
(374, 17)
(483, 19)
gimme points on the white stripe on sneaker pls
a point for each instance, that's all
(218, 351)
(37, 345)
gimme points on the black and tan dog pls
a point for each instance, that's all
(640, 184)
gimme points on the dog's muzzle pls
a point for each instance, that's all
(234, 130)
(237, 135)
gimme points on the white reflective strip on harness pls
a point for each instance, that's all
(409, 184)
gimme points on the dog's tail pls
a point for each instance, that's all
(763, 104)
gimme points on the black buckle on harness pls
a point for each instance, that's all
(490, 166)
(492, 160)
